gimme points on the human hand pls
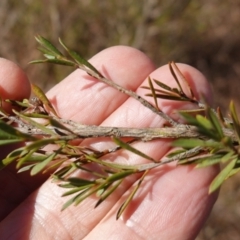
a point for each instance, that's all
(173, 202)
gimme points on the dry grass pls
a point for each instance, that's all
(203, 33)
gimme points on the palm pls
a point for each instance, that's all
(171, 204)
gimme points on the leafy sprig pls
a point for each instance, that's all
(206, 139)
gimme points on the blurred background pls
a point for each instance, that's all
(203, 33)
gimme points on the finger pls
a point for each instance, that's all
(14, 85)
(79, 97)
(170, 203)
(173, 201)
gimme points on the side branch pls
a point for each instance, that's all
(130, 94)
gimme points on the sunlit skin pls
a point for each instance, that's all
(172, 202)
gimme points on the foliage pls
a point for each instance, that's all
(209, 139)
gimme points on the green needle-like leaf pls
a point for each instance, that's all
(54, 165)
(25, 103)
(131, 149)
(229, 155)
(36, 124)
(77, 189)
(36, 115)
(120, 175)
(219, 179)
(204, 122)
(4, 162)
(176, 152)
(130, 197)
(106, 194)
(86, 194)
(11, 157)
(109, 164)
(10, 141)
(189, 118)
(26, 168)
(47, 45)
(72, 200)
(63, 172)
(79, 182)
(10, 135)
(188, 143)
(79, 59)
(40, 166)
(162, 85)
(208, 161)
(57, 124)
(24, 158)
(235, 119)
(15, 153)
(215, 122)
(233, 171)
(209, 127)
(40, 143)
(64, 62)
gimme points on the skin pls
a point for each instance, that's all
(172, 203)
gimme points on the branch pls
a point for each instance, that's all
(206, 139)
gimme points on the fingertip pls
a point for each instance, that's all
(196, 80)
(124, 65)
(125, 61)
(14, 83)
